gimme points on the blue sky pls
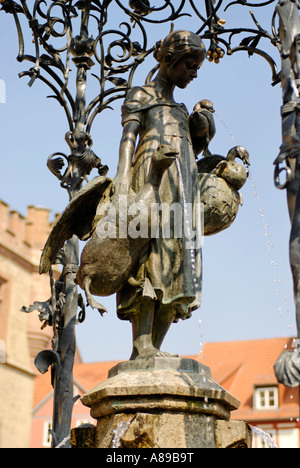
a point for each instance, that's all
(247, 286)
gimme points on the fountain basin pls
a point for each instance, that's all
(160, 403)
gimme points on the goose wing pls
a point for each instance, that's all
(76, 219)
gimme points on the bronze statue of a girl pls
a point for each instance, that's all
(158, 280)
(169, 277)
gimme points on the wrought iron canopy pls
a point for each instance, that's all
(67, 32)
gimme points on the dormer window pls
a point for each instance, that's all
(266, 398)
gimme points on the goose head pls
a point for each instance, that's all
(205, 104)
(239, 152)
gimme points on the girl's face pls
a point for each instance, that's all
(185, 70)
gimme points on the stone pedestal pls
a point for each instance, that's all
(162, 403)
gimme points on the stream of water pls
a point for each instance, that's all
(277, 281)
(119, 432)
(264, 437)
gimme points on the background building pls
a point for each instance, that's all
(245, 369)
(21, 241)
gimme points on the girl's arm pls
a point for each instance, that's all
(122, 181)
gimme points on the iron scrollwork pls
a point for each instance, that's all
(118, 54)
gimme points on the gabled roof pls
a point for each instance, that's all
(240, 366)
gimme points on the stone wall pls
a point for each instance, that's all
(21, 241)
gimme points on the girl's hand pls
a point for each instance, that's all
(121, 184)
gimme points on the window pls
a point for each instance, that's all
(288, 436)
(4, 306)
(47, 438)
(266, 398)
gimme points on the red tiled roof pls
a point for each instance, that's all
(239, 366)
(87, 375)
(92, 374)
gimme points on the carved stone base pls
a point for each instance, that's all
(160, 403)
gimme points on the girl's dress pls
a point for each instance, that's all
(170, 270)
